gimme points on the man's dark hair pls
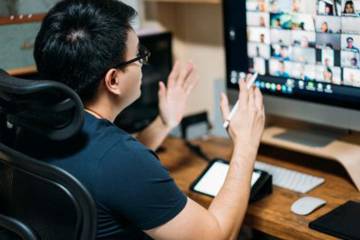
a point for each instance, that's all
(80, 40)
(349, 39)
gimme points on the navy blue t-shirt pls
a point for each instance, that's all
(132, 190)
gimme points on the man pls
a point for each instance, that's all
(281, 71)
(90, 46)
(262, 38)
(350, 45)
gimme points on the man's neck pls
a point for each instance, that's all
(102, 111)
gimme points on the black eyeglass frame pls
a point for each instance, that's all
(143, 57)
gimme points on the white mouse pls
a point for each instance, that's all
(306, 205)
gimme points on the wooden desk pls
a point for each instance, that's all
(270, 215)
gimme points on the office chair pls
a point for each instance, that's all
(37, 200)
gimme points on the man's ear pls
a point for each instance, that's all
(112, 81)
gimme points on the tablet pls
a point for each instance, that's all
(213, 177)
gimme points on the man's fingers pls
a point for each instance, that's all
(252, 98)
(191, 81)
(248, 78)
(224, 106)
(243, 93)
(259, 102)
(175, 72)
(184, 75)
(162, 91)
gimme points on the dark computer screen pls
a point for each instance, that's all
(302, 49)
(138, 115)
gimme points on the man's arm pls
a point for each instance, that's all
(172, 104)
(154, 134)
(225, 215)
(222, 220)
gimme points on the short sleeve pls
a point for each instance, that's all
(134, 185)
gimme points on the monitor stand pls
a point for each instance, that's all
(310, 137)
(336, 146)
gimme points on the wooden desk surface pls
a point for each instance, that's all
(272, 214)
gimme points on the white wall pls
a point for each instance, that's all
(198, 33)
(136, 4)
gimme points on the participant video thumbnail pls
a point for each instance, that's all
(279, 36)
(281, 52)
(297, 70)
(309, 72)
(329, 7)
(349, 59)
(350, 7)
(325, 24)
(257, 5)
(350, 25)
(303, 39)
(304, 6)
(303, 71)
(280, 20)
(327, 57)
(258, 50)
(280, 68)
(259, 66)
(328, 74)
(305, 55)
(350, 43)
(257, 19)
(303, 22)
(260, 35)
(352, 77)
(329, 40)
(288, 21)
(277, 6)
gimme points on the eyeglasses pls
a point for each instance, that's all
(142, 56)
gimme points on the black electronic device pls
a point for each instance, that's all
(195, 125)
(342, 222)
(212, 178)
(142, 112)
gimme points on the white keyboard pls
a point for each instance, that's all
(292, 180)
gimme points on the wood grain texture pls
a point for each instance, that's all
(22, 71)
(24, 18)
(272, 214)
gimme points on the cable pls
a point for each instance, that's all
(196, 149)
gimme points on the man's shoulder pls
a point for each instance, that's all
(113, 142)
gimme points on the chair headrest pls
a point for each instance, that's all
(48, 108)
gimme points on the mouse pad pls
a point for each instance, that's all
(342, 222)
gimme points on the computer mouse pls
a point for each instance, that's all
(306, 205)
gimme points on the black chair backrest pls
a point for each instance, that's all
(38, 200)
(49, 201)
(47, 108)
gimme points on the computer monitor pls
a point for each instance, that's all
(307, 53)
(142, 112)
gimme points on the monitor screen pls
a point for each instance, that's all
(302, 49)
